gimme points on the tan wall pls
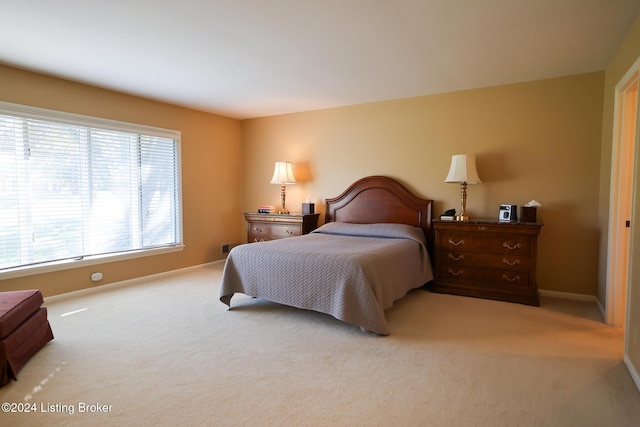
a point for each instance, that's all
(537, 140)
(211, 161)
(628, 52)
(526, 137)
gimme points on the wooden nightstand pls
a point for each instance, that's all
(263, 227)
(486, 259)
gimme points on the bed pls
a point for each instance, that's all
(371, 251)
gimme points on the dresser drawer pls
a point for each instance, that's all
(485, 260)
(264, 227)
(263, 232)
(507, 244)
(480, 276)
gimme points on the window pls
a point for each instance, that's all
(75, 187)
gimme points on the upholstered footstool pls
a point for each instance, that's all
(24, 329)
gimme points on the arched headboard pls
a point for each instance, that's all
(380, 199)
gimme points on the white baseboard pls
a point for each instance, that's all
(633, 371)
(128, 282)
(602, 311)
(567, 295)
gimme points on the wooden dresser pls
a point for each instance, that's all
(486, 259)
(263, 227)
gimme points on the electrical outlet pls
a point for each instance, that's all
(226, 248)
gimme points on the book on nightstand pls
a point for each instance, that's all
(266, 209)
(448, 215)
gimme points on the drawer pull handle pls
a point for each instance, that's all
(515, 262)
(508, 246)
(458, 243)
(258, 241)
(456, 258)
(456, 273)
(510, 279)
(482, 228)
(289, 232)
(259, 229)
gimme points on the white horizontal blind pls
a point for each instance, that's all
(73, 187)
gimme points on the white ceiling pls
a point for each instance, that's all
(253, 58)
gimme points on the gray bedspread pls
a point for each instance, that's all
(352, 272)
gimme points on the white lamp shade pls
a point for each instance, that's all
(463, 169)
(283, 174)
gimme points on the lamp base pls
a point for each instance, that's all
(283, 195)
(462, 217)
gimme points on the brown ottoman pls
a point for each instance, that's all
(24, 329)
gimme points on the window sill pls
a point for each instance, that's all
(87, 261)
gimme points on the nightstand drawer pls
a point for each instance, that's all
(264, 227)
(507, 244)
(277, 231)
(483, 275)
(486, 260)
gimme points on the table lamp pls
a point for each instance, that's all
(463, 170)
(283, 175)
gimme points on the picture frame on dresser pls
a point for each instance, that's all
(486, 259)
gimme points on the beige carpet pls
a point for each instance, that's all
(164, 351)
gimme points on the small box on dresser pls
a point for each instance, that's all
(486, 259)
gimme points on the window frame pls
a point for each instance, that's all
(37, 113)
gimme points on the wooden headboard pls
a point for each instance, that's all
(380, 199)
